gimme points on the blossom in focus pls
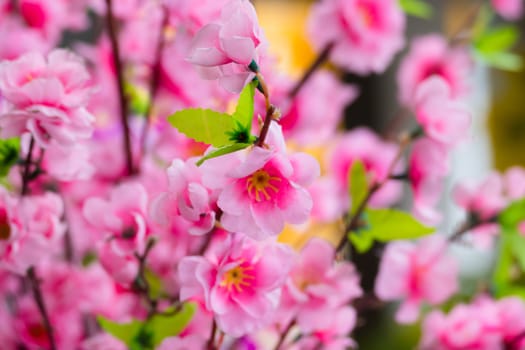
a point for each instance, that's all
(416, 273)
(223, 50)
(509, 9)
(365, 34)
(46, 96)
(442, 118)
(431, 55)
(239, 281)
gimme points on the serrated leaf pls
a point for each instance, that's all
(244, 111)
(126, 332)
(358, 185)
(502, 60)
(416, 8)
(223, 151)
(9, 153)
(391, 224)
(163, 326)
(497, 40)
(204, 125)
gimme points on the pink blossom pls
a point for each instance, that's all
(427, 169)
(22, 39)
(309, 119)
(121, 218)
(239, 281)
(442, 118)
(416, 273)
(375, 154)
(431, 55)
(514, 183)
(366, 34)
(45, 96)
(194, 15)
(67, 164)
(317, 286)
(509, 9)
(223, 50)
(102, 341)
(186, 197)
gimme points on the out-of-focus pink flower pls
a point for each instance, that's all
(376, 155)
(431, 55)
(317, 286)
(309, 119)
(186, 197)
(508, 9)
(194, 15)
(22, 39)
(223, 50)
(30, 228)
(103, 341)
(416, 273)
(442, 118)
(46, 96)
(121, 218)
(483, 325)
(428, 167)
(334, 336)
(67, 164)
(514, 183)
(239, 281)
(366, 34)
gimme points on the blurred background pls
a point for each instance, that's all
(497, 139)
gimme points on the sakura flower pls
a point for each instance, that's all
(239, 281)
(431, 55)
(67, 164)
(365, 34)
(103, 341)
(316, 287)
(376, 155)
(509, 9)
(223, 50)
(194, 15)
(46, 96)
(427, 169)
(442, 118)
(186, 197)
(121, 218)
(416, 272)
(514, 183)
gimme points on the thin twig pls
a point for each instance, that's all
(211, 341)
(117, 62)
(27, 167)
(270, 111)
(142, 283)
(284, 334)
(37, 294)
(154, 82)
(321, 58)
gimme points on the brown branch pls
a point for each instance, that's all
(270, 111)
(27, 168)
(321, 58)
(211, 341)
(117, 62)
(284, 334)
(154, 82)
(141, 282)
(37, 295)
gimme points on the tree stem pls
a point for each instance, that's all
(37, 294)
(27, 167)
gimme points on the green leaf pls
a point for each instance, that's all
(482, 22)
(362, 241)
(138, 98)
(511, 216)
(163, 326)
(127, 332)
(9, 152)
(154, 282)
(497, 40)
(244, 111)
(223, 150)
(204, 125)
(504, 61)
(508, 277)
(391, 224)
(358, 185)
(416, 8)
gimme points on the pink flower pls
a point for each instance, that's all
(194, 15)
(122, 218)
(514, 182)
(102, 341)
(316, 287)
(427, 169)
(416, 273)
(366, 34)
(22, 39)
(239, 281)
(46, 97)
(508, 9)
(430, 55)
(376, 155)
(186, 198)
(223, 50)
(309, 119)
(442, 119)
(68, 164)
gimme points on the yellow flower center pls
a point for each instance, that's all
(260, 183)
(238, 278)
